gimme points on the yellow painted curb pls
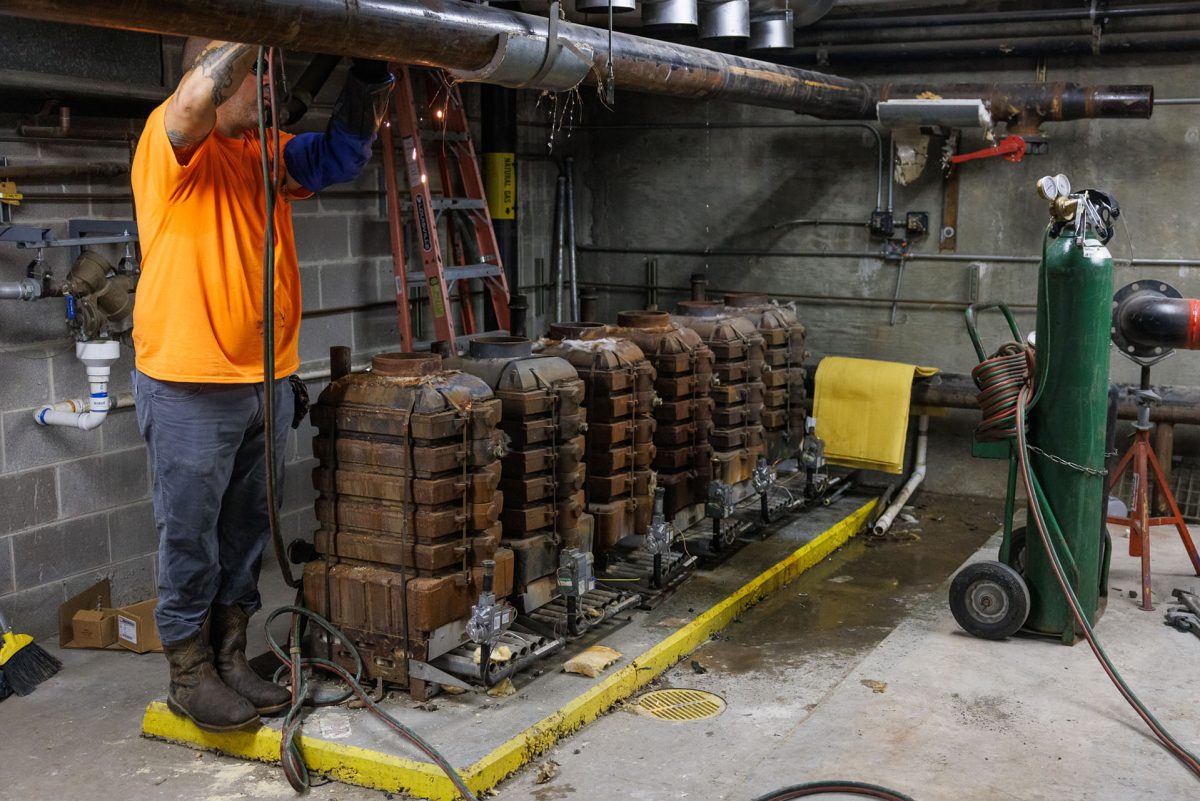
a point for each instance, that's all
(385, 771)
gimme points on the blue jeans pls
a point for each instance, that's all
(210, 493)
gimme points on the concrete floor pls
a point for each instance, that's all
(856, 670)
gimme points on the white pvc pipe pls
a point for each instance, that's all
(123, 400)
(98, 358)
(914, 480)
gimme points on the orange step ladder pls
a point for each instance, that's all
(460, 203)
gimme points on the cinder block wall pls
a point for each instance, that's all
(75, 506)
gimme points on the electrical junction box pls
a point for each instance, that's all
(916, 223)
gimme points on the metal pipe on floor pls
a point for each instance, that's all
(914, 480)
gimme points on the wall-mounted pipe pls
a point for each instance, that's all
(97, 357)
(1077, 45)
(99, 169)
(44, 85)
(23, 289)
(1082, 12)
(1025, 106)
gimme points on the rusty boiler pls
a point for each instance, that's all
(544, 473)
(409, 508)
(737, 390)
(618, 397)
(683, 366)
(783, 377)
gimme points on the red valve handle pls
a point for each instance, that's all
(1012, 148)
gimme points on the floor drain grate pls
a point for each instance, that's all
(680, 705)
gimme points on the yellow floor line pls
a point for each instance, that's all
(385, 771)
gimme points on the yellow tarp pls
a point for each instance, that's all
(861, 407)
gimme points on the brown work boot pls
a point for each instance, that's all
(229, 641)
(198, 693)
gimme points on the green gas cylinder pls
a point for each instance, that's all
(1067, 427)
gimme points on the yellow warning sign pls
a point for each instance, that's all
(500, 184)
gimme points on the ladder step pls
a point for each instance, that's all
(482, 270)
(450, 204)
(441, 133)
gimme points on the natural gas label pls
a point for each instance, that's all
(500, 184)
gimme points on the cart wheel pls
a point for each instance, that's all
(989, 600)
(1016, 550)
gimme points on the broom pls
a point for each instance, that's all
(25, 663)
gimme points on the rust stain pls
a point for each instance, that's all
(823, 85)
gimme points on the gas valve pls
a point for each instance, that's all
(719, 502)
(489, 618)
(661, 532)
(576, 576)
(764, 475)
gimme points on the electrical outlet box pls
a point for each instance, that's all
(916, 223)
(882, 224)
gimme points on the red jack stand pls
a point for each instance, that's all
(1141, 455)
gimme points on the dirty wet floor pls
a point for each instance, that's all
(772, 667)
(852, 600)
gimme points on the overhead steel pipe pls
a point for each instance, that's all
(493, 45)
(479, 42)
(1025, 106)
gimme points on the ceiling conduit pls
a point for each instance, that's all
(509, 48)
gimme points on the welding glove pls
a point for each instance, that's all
(317, 161)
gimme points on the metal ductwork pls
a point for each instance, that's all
(806, 12)
(724, 19)
(602, 6)
(493, 45)
(771, 26)
(670, 14)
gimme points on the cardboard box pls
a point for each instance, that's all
(94, 628)
(97, 597)
(136, 629)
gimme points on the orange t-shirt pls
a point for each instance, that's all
(198, 315)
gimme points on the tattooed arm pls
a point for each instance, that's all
(211, 79)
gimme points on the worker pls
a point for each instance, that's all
(198, 184)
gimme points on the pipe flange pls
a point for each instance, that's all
(1138, 290)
